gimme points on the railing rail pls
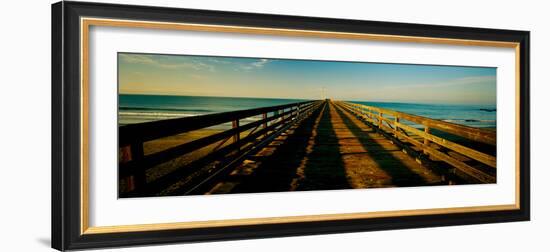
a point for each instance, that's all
(378, 117)
(142, 132)
(134, 164)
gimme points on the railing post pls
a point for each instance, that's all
(126, 154)
(237, 136)
(138, 179)
(264, 116)
(426, 141)
(395, 129)
(380, 119)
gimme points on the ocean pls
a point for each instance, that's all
(480, 116)
(145, 108)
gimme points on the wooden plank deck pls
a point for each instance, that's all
(332, 149)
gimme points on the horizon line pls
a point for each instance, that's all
(287, 98)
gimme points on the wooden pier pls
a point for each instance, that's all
(316, 145)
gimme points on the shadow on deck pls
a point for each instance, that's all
(401, 169)
(330, 150)
(283, 164)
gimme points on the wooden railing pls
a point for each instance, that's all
(437, 147)
(133, 163)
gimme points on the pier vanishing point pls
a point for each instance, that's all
(313, 145)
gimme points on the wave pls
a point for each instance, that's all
(134, 116)
(468, 120)
(165, 109)
(155, 114)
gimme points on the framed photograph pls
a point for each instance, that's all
(180, 125)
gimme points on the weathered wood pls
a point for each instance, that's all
(471, 171)
(396, 123)
(143, 132)
(486, 159)
(391, 128)
(475, 134)
(237, 136)
(380, 122)
(138, 179)
(184, 172)
(208, 180)
(474, 154)
(341, 152)
(427, 137)
(127, 168)
(132, 168)
(234, 125)
(468, 170)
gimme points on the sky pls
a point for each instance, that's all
(304, 79)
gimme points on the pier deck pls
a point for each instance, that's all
(312, 145)
(333, 149)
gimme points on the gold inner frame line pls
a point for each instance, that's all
(85, 24)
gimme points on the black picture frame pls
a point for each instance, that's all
(66, 114)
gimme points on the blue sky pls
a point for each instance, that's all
(304, 79)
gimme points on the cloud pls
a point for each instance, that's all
(255, 65)
(137, 59)
(475, 80)
(156, 62)
(208, 64)
(471, 80)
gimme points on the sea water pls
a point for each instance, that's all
(481, 116)
(146, 108)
